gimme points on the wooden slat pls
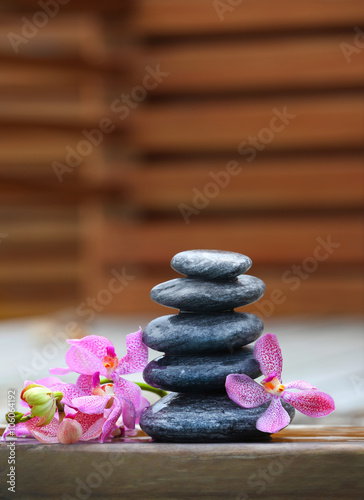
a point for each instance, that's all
(268, 183)
(270, 240)
(39, 144)
(318, 122)
(77, 36)
(166, 17)
(45, 271)
(307, 62)
(38, 231)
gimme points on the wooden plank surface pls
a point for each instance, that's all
(269, 183)
(298, 463)
(311, 122)
(166, 17)
(302, 63)
(288, 239)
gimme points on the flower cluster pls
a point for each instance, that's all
(249, 394)
(91, 408)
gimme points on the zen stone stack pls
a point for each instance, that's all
(206, 341)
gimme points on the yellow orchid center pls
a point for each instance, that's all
(273, 386)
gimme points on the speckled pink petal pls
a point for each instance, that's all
(19, 430)
(245, 392)
(311, 403)
(274, 418)
(45, 434)
(136, 358)
(48, 381)
(84, 382)
(91, 425)
(59, 371)
(143, 405)
(80, 360)
(129, 414)
(69, 391)
(299, 384)
(268, 354)
(128, 390)
(95, 344)
(91, 404)
(111, 420)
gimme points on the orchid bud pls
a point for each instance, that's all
(69, 431)
(42, 401)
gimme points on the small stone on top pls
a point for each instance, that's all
(211, 264)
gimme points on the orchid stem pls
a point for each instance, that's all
(142, 385)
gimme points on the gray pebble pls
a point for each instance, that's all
(185, 418)
(203, 374)
(195, 295)
(211, 264)
(189, 333)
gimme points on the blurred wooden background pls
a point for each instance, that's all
(224, 73)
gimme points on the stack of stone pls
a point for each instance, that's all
(203, 344)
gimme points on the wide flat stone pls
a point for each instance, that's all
(196, 295)
(190, 333)
(203, 374)
(211, 264)
(185, 418)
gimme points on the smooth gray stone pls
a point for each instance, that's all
(184, 418)
(211, 264)
(202, 374)
(189, 333)
(195, 295)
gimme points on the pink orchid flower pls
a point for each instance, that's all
(249, 394)
(74, 427)
(96, 354)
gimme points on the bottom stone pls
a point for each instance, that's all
(185, 418)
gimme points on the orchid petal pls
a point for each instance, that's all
(312, 403)
(274, 418)
(136, 358)
(128, 390)
(268, 354)
(48, 381)
(59, 371)
(81, 360)
(46, 433)
(111, 420)
(245, 392)
(299, 384)
(92, 425)
(95, 344)
(91, 404)
(69, 391)
(84, 382)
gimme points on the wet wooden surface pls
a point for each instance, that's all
(300, 462)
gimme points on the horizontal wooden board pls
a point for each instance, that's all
(310, 122)
(300, 63)
(35, 271)
(267, 240)
(269, 183)
(166, 17)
